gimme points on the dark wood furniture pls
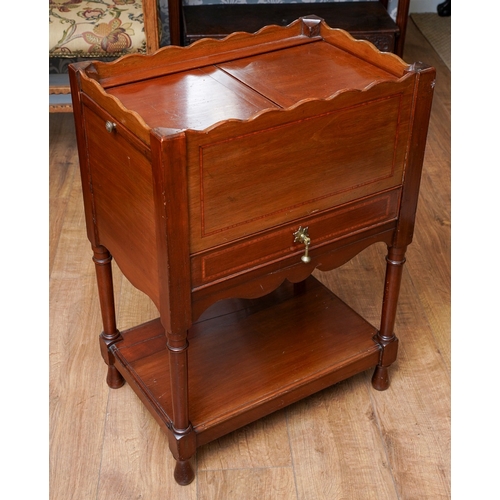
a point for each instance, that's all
(444, 9)
(364, 20)
(219, 176)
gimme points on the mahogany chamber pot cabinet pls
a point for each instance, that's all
(219, 176)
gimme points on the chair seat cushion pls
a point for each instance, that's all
(95, 28)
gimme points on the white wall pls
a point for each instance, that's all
(415, 6)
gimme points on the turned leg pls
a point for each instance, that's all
(110, 334)
(385, 337)
(182, 439)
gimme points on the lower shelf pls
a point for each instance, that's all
(248, 358)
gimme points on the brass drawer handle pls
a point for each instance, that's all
(110, 126)
(302, 236)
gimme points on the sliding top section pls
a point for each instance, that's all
(194, 99)
(240, 89)
(317, 71)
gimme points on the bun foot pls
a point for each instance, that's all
(380, 379)
(114, 378)
(183, 472)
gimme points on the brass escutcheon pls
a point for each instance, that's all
(302, 236)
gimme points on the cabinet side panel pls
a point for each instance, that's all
(422, 104)
(121, 184)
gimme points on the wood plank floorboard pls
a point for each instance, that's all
(63, 157)
(256, 446)
(78, 391)
(337, 449)
(346, 442)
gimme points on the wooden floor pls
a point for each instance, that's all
(348, 442)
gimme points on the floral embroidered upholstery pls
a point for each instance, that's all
(95, 28)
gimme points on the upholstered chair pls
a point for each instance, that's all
(96, 29)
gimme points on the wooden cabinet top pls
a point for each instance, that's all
(237, 78)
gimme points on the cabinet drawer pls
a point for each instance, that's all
(271, 246)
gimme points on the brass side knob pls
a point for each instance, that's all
(110, 126)
(302, 236)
